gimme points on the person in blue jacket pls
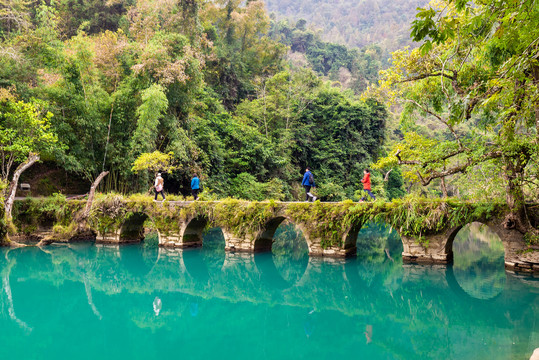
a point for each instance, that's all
(195, 186)
(308, 182)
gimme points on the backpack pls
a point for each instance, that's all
(311, 178)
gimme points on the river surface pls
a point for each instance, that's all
(140, 302)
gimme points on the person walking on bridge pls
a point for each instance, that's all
(195, 186)
(308, 182)
(367, 184)
(159, 186)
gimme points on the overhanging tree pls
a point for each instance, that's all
(476, 76)
(25, 134)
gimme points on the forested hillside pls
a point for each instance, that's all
(385, 23)
(208, 83)
(352, 68)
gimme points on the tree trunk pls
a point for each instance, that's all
(514, 197)
(8, 206)
(535, 74)
(86, 212)
(444, 188)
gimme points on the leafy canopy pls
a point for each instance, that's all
(469, 93)
(155, 161)
(24, 129)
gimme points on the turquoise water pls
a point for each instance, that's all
(141, 302)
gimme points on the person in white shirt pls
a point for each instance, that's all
(159, 184)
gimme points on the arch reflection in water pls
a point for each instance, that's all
(140, 259)
(200, 263)
(479, 261)
(286, 263)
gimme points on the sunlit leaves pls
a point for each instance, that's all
(154, 162)
(24, 129)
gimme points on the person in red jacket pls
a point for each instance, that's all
(367, 184)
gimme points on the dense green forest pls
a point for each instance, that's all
(209, 83)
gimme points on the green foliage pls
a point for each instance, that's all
(339, 138)
(154, 162)
(32, 213)
(394, 185)
(206, 81)
(3, 224)
(246, 187)
(411, 216)
(244, 51)
(108, 212)
(154, 104)
(23, 130)
(531, 238)
(352, 68)
(330, 191)
(468, 96)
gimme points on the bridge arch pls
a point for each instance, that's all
(350, 238)
(378, 238)
(492, 228)
(132, 229)
(264, 239)
(192, 231)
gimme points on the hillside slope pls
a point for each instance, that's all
(354, 23)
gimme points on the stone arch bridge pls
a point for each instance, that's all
(427, 227)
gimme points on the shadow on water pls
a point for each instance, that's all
(479, 261)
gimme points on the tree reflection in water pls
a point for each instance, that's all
(380, 309)
(479, 261)
(290, 252)
(378, 242)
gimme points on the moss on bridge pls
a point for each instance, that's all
(326, 221)
(411, 216)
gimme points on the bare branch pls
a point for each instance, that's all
(91, 195)
(406, 162)
(386, 176)
(424, 76)
(425, 109)
(459, 168)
